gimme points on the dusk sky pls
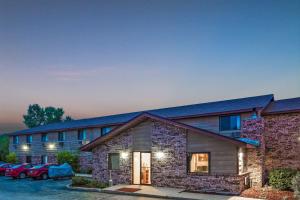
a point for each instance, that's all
(97, 58)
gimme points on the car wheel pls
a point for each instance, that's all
(22, 175)
(44, 176)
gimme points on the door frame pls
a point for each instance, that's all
(132, 163)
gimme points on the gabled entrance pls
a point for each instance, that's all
(141, 168)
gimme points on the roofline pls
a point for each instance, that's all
(117, 124)
(142, 117)
(280, 112)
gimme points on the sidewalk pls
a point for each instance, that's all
(164, 192)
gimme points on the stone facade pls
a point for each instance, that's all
(282, 135)
(169, 171)
(255, 157)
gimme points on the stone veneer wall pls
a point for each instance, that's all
(171, 171)
(117, 144)
(255, 157)
(282, 133)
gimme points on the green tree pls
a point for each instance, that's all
(68, 118)
(4, 147)
(11, 158)
(70, 158)
(37, 115)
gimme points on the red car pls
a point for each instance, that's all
(3, 167)
(18, 171)
(40, 171)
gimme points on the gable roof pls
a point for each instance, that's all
(283, 106)
(202, 109)
(143, 116)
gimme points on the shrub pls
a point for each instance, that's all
(84, 182)
(296, 185)
(11, 158)
(70, 158)
(4, 145)
(282, 178)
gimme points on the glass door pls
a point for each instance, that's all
(141, 168)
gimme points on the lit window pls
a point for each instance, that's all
(199, 162)
(113, 161)
(230, 123)
(105, 130)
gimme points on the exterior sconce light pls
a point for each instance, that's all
(124, 155)
(51, 146)
(25, 147)
(160, 155)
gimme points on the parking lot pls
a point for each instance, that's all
(27, 189)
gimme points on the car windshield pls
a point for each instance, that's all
(38, 166)
(16, 166)
(2, 164)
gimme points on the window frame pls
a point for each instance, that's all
(29, 141)
(231, 115)
(29, 157)
(63, 136)
(16, 140)
(105, 128)
(84, 135)
(189, 158)
(46, 159)
(109, 161)
(44, 135)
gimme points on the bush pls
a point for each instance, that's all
(70, 158)
(11, 158)
(296, 185)
(84, 182)
(282, 178)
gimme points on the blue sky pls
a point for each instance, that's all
(103, 57)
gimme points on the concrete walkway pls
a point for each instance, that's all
(172, 193)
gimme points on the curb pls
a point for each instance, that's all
(146, 195)
(83, 189)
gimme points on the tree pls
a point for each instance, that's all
(70, 158)
(37, 115)
(4, 147)
(68, 118)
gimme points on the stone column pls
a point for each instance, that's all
(254, 129)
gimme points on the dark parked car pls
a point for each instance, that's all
(4, 166)
(40, 171)
(18, 171)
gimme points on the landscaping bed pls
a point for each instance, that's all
(268, 193)
(87, 183)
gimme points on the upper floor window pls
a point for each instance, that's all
(105, 130)
(29, 139)
(44, 137)
(61, 136)
(15, 139)
(82, 135)
(230, 123)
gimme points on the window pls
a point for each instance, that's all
(61, 136)
(82, 135)
(28, 159)
(15, 139)
(230, 123)
(105, 130)
(29, 139)
(44, 137)
(113, 161)
(44, 159)
(199, 162)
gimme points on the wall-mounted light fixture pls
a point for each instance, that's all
(25, 147)
(51, 146)
(160, 155)
(124, 155)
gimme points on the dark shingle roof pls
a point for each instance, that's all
(283, 106)
(173, 112)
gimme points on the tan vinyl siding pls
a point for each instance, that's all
(223, 155)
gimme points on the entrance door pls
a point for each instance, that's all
(141, 168)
